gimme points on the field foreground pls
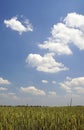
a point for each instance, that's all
(42, 118)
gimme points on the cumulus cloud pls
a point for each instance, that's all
(70, 31)
(18, 26)
(44, 81)
(63, 34)
(3, 89)
(75, 20)
(46, 63)
(9, 96)
(53, 82)
(52, 93)
(75, 85)
(32, 90)
(4, 81)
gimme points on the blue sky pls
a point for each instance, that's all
(41, 52)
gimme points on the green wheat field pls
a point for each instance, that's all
(41, 118)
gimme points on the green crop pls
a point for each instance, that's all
(42, 118)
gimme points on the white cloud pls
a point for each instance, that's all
(33, 90)
(53, 82)
(62, 35)
(75, 85)
(79, 90)
(3, 89)
(57, 42)
(46, 63)
(70, 31)
(52, 93)
(44, 81)
(18, 26)
(68, 78)
(8, 96)
(4, 81)
(75, 20)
